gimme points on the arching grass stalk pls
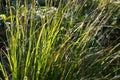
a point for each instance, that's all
(61, 45)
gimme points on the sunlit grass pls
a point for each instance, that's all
(62, 45)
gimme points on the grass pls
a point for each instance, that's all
(62, 45)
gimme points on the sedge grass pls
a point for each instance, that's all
(56, 48)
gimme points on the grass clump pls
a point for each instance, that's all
(61, 43)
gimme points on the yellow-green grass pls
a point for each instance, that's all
(57, 48)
